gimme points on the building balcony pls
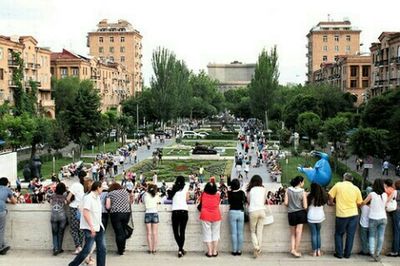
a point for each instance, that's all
(12, 63)
(12, 84)
(47, 103)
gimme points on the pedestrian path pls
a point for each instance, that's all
(44, 258)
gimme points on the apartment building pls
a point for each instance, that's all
(111, 80)
(386, 63)
(350, 73)
(119, 43)
(327, 41)
(36, 68)
(231, 76)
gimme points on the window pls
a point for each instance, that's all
(336, 38)
(324, 58)
(348, 49)
(122, 39)
(325, 38)
(101, 49)
(100, 39)
(112, 58)
(122, 58)
(122, 49)
(353, 83)
(111, 39)
(353, 71)
(1, 74)
(64, 72)
(75, 71)
(365, 71)
(1, 53)
(336, 58)
(336, 48)
(365, 84)
(325, 48)
(111, 49)
(348, 38)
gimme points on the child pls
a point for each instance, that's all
(364, 236)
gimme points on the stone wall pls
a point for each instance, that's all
(28, 227)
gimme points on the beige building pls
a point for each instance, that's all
(120, 43)
(327, 41)
(36, 68)
(111, 80)
(231, 76)
(350, 73)
(386, 63)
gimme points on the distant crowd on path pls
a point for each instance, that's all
(254, 143)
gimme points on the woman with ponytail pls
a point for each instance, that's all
(151, 218)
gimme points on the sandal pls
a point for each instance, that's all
(208, 255)
(215, 255)
(89, 261)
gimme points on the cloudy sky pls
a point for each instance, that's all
(199, 32)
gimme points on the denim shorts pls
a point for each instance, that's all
(151, 218)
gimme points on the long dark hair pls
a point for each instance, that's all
(178, 186)
(60, 188)
(378, 186)
(317, 195)
(255, 181)
(210, 188)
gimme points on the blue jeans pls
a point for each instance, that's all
(364, 237)
(396, 231)
(236, 221)
(376, 235)
(315, 236)
(89, 241)
(57, 229)
(346, 226)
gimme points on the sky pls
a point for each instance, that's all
(200, 31)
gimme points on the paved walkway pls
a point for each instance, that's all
(44, 258)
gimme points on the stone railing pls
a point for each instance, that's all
(28, 227)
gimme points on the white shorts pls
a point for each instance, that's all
(211, 231)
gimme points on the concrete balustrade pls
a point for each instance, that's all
(28, 227)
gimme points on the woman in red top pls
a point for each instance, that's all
(210, 217)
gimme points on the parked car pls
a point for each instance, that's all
(162, 133)
(203, 134)
(190, 135)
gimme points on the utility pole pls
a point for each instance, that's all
(137, 119)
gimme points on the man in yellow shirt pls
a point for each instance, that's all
(348, 198)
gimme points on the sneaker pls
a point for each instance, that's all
(392, 254)
(255, 253)
(337, 256)
(376, 258)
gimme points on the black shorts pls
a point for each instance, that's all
(299, 217)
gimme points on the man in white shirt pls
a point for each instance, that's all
(92, 227)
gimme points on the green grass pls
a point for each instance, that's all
(169, 169)
(47, 167)
(187, 152)
(213, 143)
(109, 147)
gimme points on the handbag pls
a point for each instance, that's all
(269, 218)
(128, 228)
(392, 204)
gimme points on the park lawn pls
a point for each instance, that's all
(177, 151)
(229, 152)
(212, 143)
(169, 169)
(47, 167)
(109, 147)
(289, 170)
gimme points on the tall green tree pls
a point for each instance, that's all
(264, 83)
(163, 84)
(83, 117)
(335, 129)
(369, 141)
(17, 131)
(309, 124)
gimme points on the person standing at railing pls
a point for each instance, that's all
(6, 195)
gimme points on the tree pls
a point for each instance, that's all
(298, 105)
(369, 141)
(163, 84)
(64, 91)
(335, 129)
(83, 117)
(184, 90)
(42, 133)
(264, 83)
(309, 123)
(17, 131)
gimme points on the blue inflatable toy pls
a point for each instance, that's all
(321, 173)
